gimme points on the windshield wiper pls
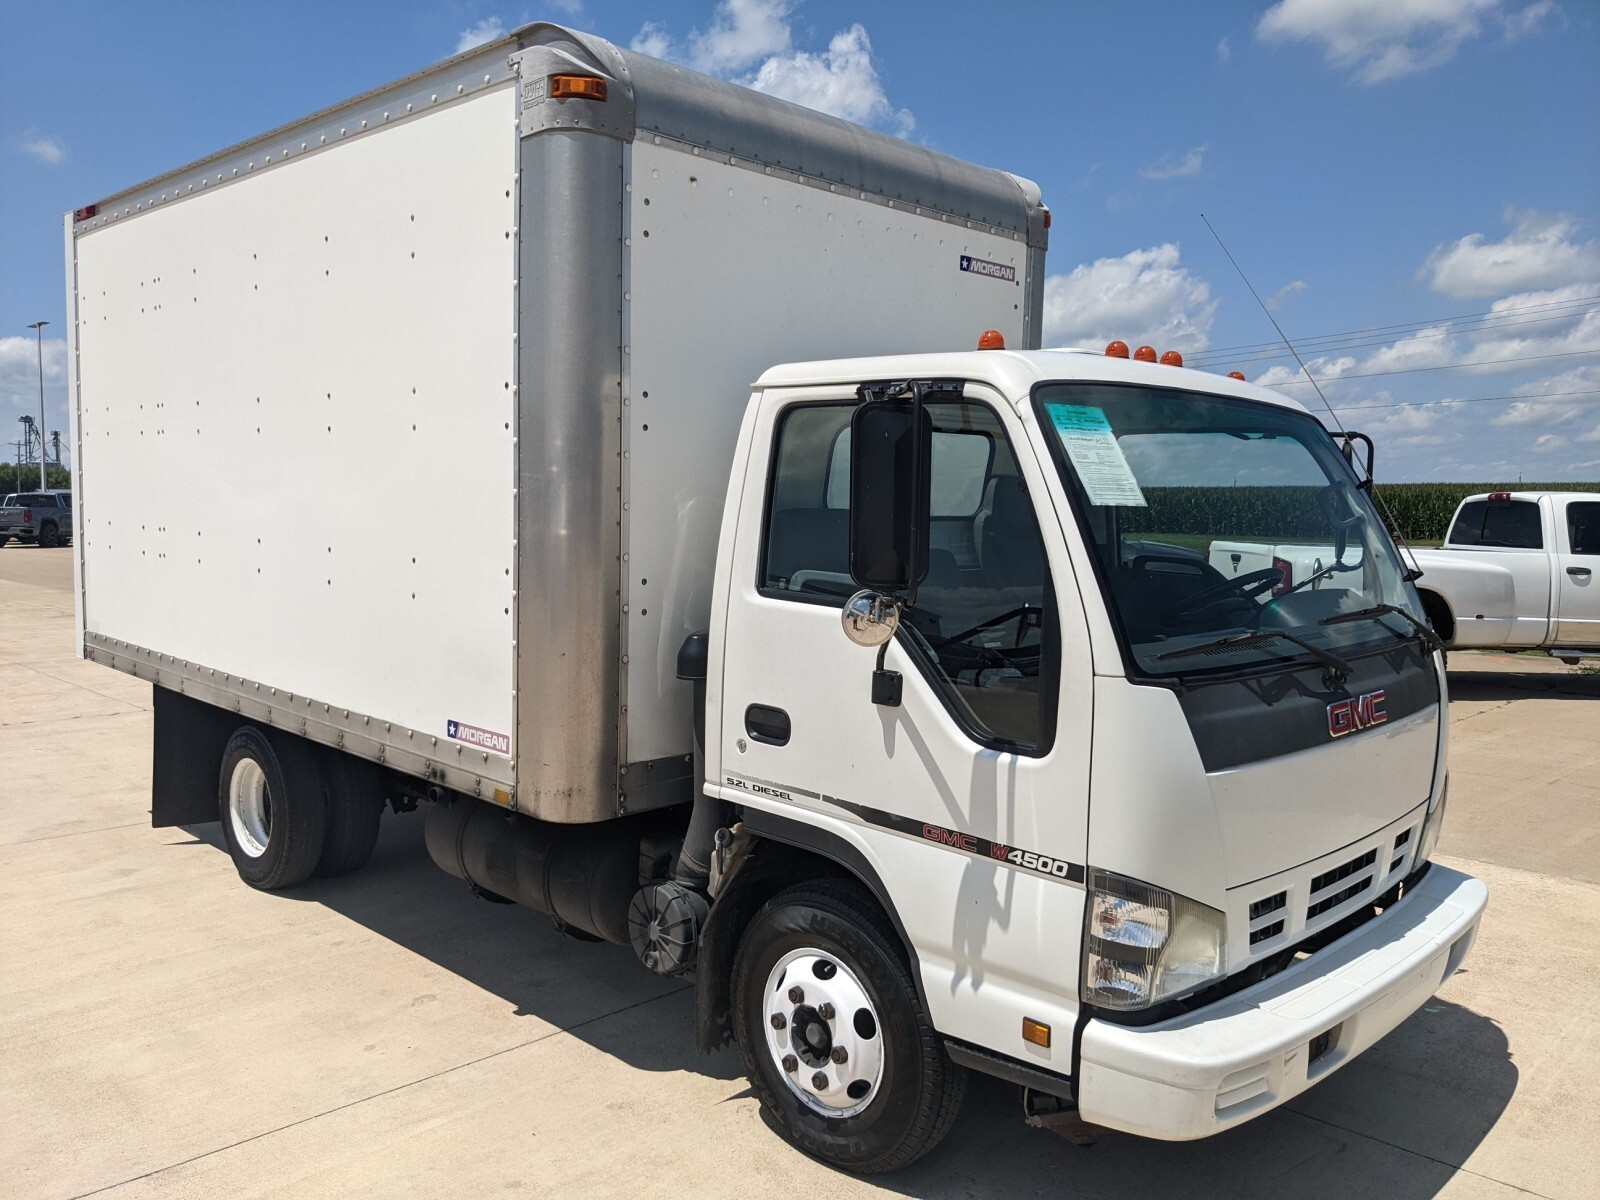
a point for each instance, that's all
(1332, 661)
(1377, 610)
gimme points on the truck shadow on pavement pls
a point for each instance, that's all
(1397, 1121)
(1501, 685)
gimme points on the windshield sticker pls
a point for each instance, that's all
(1087, 438)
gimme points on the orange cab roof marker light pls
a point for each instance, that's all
(1145, 354)
(1117, 349)
(1172, 359)
(1239, 375)
(991, 339)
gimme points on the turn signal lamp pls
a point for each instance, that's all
(1239, 375)
(577, 87)
(1116, 349)
(1036, 1033)
(1172, 359)
(1145, 354)
(991, 339)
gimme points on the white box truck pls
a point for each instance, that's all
(1083, 821)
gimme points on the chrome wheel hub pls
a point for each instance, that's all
(823, 1033)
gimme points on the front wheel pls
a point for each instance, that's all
(274, 809)
(833, 1035)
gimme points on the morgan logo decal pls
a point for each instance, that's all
(993, 270)
(484, 739)
(1354, 715)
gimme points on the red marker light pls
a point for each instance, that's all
(1499, 495)
(991, 339)
(1172, 359)
(1145, 354)
(87, 211)
(1239, 375)
(1116, 349)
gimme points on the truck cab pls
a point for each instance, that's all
(1155, 840)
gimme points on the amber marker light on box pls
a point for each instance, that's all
(1035, 1032)
(577, 87)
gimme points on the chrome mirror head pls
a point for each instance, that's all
(870, 618)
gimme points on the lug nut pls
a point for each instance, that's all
(819, 1081)
(825, 1011)
(779, 1020)
(796, 995)
(840, 1054)
(791, 1064)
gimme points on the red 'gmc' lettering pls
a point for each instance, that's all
(949, 837)
(1361, 712)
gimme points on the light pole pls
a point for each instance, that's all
(38, 329)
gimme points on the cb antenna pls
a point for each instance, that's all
(1414, 572)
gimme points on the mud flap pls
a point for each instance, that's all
(189, 741)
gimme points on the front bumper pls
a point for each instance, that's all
(1221, 1065)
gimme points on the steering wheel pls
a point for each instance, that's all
(1250, 584)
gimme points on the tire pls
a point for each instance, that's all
(896, 1094)
(49, 536)
(355, 805)
(274, 808)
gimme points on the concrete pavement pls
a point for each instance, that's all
(166, 1031)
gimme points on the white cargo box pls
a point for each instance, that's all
(407, 426)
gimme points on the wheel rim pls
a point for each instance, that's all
(823, 1033)
(250, 807)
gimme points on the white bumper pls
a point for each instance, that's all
(1208, 1070)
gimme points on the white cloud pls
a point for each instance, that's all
(1592, 436)
(19, 383)
(1175, 167)
(47, 149)
(486, 30)
(1224, 51)
(569, 8)
(1386, 39)
(751, 42)
(1539, 252)
(1144, 297)
(1285, 294)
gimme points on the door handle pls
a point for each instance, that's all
(767, 724)
(1578, 572)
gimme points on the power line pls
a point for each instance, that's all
(1471, 400)
(1487, 362)
(1397, 329)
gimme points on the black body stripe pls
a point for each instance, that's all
(951, 839)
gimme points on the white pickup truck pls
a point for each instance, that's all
(1519, 570)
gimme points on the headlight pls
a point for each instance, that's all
(1431, 824)
(1144, 944)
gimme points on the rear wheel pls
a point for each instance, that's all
(355, 805)
(273, 807)
(49, 535)
(833, 1035)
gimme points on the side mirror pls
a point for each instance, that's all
(870, 618)
(891, 447)
(1361, 466)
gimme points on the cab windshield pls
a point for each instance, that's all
(1229, 535)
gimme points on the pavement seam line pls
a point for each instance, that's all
(399, 1087)
(1414, 1153)
(50, 837)
(96, 691)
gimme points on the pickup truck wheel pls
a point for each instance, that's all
(273, 807)
(49, 535)
(833, 1036)
(355, 805)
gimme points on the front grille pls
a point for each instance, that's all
(1338, 898)
(1350, 868)
(1266, 931)
(1270, 905)
(1405, 836)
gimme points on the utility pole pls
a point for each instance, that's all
(38, 329)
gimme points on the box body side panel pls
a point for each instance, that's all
(731, 271)
(296, 456)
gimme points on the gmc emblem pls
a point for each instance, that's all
(1351, 716)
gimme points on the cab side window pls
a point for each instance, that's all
(1583, 526)
(1510, 523)
(983, 627)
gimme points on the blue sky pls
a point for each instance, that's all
(1427, 171)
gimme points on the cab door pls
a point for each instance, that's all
(1578, 573)
(967, 801)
